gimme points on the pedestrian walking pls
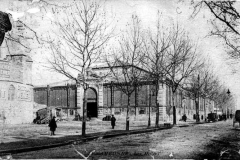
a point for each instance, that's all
(184, 117)
(113, 120)
(52, 125)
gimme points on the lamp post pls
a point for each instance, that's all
(149, 109)
(198, 100)
(184, 104)
(228, 92)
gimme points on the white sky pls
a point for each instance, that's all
(172, 11)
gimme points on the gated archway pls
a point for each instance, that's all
(92, 109)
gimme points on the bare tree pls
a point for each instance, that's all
(200, 85)
(126, 67)
(155, 57)
(215, 91)
(181, 61)
(210, 84)
(225, 23)
(222, 98)
(79, 42)
(171, 58)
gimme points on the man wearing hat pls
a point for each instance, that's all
(113, 120)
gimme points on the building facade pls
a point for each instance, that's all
(104, 97)
(16, 90)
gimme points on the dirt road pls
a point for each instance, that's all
(196, 141)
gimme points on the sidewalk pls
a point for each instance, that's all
(31, 137)
(28, 137)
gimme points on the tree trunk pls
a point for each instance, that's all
(197, 109)
(205, 118)
(136, 102)
(174, 109)
(174, 116)
(127, 117)
(112, 97)
(157, 115)
(149, 108)
(84, 112)
(157, 105)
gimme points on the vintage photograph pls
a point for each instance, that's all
(120, 79)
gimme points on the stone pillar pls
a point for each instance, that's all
(80, 96)
(48, 102)
(161, 97)
(136, 100)
(100, 100)
(112, 97)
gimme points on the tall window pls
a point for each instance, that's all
(11, 93)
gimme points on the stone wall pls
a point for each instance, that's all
(16, 91)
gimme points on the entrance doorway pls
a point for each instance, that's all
(92, 110)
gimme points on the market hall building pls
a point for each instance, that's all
(105, 98)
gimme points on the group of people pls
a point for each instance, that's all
(53, 124)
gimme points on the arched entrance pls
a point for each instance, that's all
(92, 110)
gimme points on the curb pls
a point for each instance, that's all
(85, 139)
(28, 149)
(126, 133)
(185, 125)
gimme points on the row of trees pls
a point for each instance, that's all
(165, 55)
(162, 55)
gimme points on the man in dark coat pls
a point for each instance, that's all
(52, 125)
(113, 120)
(5, 25)
(184, 117)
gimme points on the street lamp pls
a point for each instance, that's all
(198, 99)
(184, 104)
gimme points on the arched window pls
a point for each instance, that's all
(11, 93)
